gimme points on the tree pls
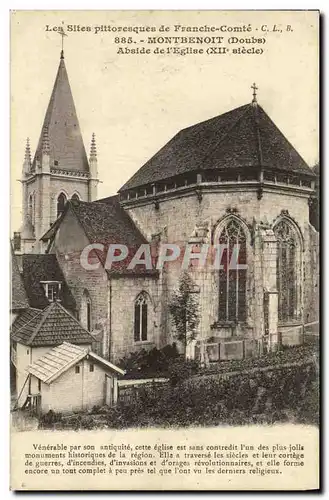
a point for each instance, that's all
(183, 307)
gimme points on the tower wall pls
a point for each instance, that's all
(60, 164)
(92, 189)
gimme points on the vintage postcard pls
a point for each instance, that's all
(164, 250)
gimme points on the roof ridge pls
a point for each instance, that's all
(259, 142)
(71, 346)
(106, 362)
(213, 118)
(127, 214)
(78, 357)
(56, 223)
(102, 261)
(84, 230)
(79, 219)
(284, 137)
(46, 312)
(106, 198)
(229, 130)
(76, 321)
(39, 311)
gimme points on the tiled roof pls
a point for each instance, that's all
(56, 361)
(25, 324)
(19, 298)
(61, 123)
(243, 137)
(38, 268)
(49, 327)
(59, 359)
(316, 169)
(106, 222)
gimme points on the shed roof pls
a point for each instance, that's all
(59, 359)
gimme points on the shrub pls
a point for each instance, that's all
(280, 394)
(49, 419)
(87, 422)
(153, 363)
(181, 369)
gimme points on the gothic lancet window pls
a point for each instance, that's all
(232, 279)
(287, 270)
(61, 200)
(75, 197)
(140, 319)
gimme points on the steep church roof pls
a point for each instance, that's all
(106, 222)
(243, 137)
(61, 125)
(49, 327)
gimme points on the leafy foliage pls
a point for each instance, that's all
(279, 394)
(50, 418)
(153, 363)
(181, 369)
(183, 307)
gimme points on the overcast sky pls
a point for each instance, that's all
(136, 103)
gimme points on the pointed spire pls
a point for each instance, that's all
(45, 141)
(64, 136)
(93, 150)
(27, 156)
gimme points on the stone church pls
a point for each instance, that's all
(232, 180)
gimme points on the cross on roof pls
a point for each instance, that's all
(254, 95)
(62, 33)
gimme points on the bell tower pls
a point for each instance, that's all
(60, 169)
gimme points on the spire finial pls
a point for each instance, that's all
(93, 150)
(27, 156)
(62, 33)
(254, 94)
(45, 141)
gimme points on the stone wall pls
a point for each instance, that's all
(176, 219)
(123, 294)
(46, 189)
(112, 301)
(69, 242)
(312, 277)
